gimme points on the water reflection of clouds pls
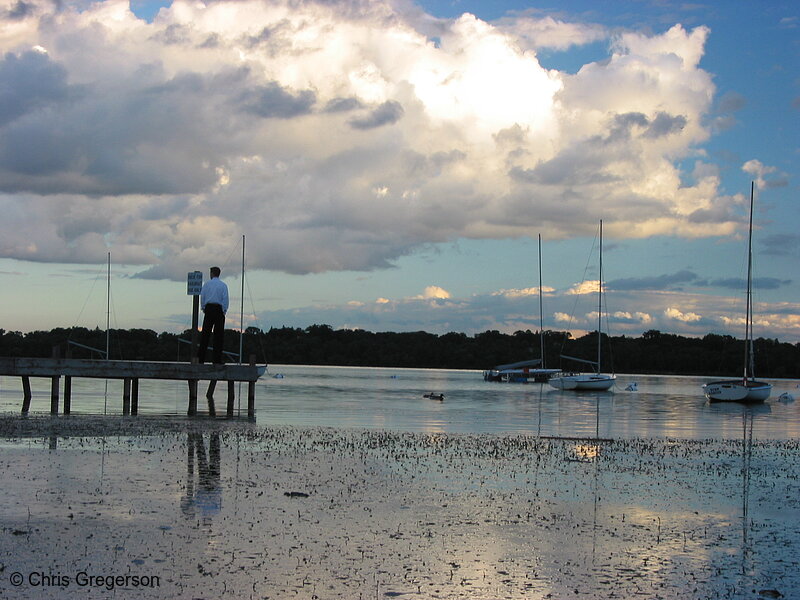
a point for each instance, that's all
(583, 452)
(664, 406)
(395, 514)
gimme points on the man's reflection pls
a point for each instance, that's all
(203, 493)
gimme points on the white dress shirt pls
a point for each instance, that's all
(214, 291)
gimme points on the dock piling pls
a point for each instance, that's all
(54, 390)
(135, 396)
(251, 392)
(126, 396)
(54, 386)
(67, 394)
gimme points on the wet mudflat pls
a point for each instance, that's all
(175, 508)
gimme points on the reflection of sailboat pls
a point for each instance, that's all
(588, 381)
(747, 454)
(746, 389)
(748, 416)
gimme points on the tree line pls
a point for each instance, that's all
(653, 352)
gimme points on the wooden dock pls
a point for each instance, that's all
(130, 372)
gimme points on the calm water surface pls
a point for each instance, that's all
(663, 407)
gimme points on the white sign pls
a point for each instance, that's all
(194, 283)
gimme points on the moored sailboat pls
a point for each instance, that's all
(746, 389)
(526, 371)
(588, 381)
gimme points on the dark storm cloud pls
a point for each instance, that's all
(713, 215)
(118, 146)
(18, 11)
(145, 135)
(762, 283)
(665, 124)
(625, 126)
(659, 282)
(387, 113)
(677, 281)
(573, 166)
(781, 244)
(343, 105)
(29, 82)
(273, 101)
(73, 228)
(420, 165)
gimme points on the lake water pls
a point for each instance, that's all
(392, 399)
(339, 500)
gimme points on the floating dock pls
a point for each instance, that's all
(130, 372)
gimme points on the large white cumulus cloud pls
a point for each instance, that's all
(335, 134)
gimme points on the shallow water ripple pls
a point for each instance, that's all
(219, 510)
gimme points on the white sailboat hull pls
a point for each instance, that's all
(589, 382)
(744, 389)
(736, 390)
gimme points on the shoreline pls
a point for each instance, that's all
(217, 508)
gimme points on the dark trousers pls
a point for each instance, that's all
(213, 320)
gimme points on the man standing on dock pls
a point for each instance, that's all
(214, 302)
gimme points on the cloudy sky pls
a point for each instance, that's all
(390, 163)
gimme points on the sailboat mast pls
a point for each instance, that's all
(541, 314)
(241, 313)
(600, 298)
(748, 333)
(108, 308)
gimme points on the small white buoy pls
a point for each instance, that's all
(278, 376)
(632, 387)
(786, 398)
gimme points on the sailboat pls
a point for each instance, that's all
(522, 371)
(746, 389)
(588, 381)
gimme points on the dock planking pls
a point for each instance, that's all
(131, 372)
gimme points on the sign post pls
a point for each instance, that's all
(194, 283)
